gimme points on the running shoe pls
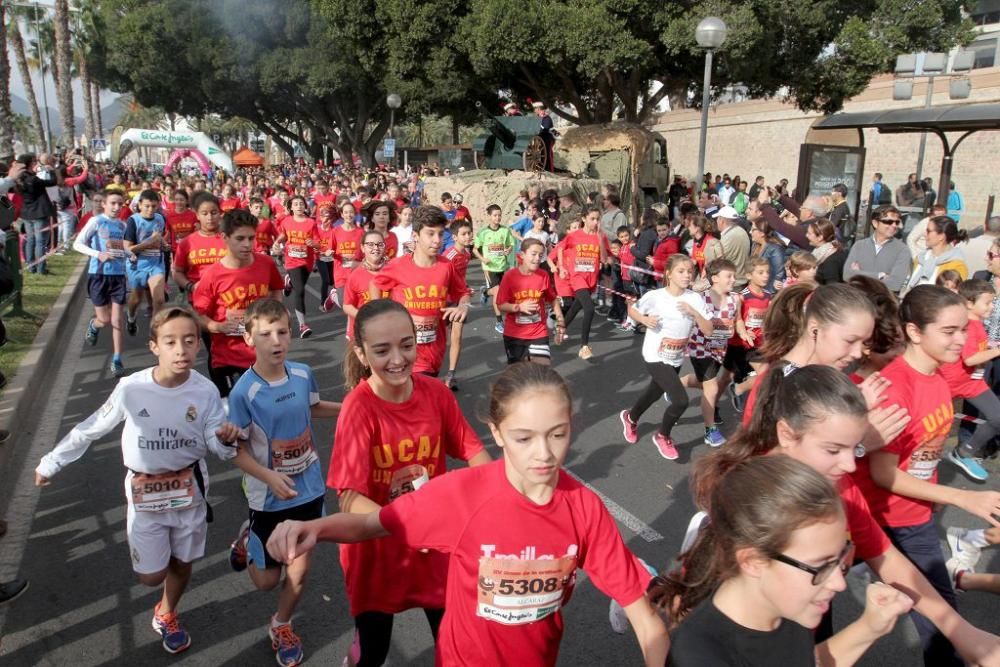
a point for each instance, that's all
(666, 398)
(331, 300)
(693, 529)
(12, 590)
(969, 465)
(738, 401)
(964, 552)
(117, 368)
(238, 549)
(602, 309)
(626, 326)
(713, 437)
(629, 428)
(305, 331)
(499, 327)
(585, 352)
(131, 326)
(484, 297)
(334, 297)
(449, 381)
(718, 417)
(956, 570)
(175, 637)
(286, 644)
(92, 333)
(288, 285)
(665, 446)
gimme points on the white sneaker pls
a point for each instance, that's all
(965, 553)
(617, 618)
(955, 572)
(694, 527)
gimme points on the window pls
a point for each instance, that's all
(986, 12)
(986, 53)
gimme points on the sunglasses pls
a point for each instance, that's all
(891, 221)
(823, 572)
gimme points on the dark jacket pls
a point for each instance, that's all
(37, 205)
(775, 256)
(841, 219)
(884, 196)
(832, 268)
(642, 251)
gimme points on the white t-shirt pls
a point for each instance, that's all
(548, 240)
(668, 342)
(404, 234)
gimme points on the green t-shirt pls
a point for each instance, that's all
(492, 245)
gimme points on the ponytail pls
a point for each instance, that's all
(790, 311)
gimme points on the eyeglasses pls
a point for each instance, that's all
(891, 221)
(373, 244)
(823, 572)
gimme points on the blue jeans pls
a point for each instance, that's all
(67, 225)
(36, 243)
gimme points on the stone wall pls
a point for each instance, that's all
(762, 137)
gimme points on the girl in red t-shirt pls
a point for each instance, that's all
(381, 216)
(357, 291)
(522, 295)
(515, 531)
(325, 255)
(580, 259)
(393, 439)
(347, 253)
(300, 237)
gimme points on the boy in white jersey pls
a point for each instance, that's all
(273, 404)
(173, 418)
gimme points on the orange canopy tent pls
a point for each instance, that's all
(247, 158)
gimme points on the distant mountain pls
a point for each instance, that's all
(109, 114)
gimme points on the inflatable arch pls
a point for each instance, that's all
(182, 153)
(198, 141)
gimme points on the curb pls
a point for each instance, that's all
(19, 404)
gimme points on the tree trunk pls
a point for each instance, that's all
(37, 129)
(90, 127)
(6, 116)
(454, 130)
(64, 82)
(96, 96)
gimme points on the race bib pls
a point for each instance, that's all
(115, 248)
(721, 333)
(672, 351)
(235, 316)
(978, 373)
(291, 457)
(515, 592)
(298, 251)
(755, 318)
(407, 480)
(495, 249)
(525, 318)
(924, 460)
(166, 491)
(427, 329)
(348, 263)
(585, 265)
(326, 258)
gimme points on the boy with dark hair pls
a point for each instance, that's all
(145, 234)
(493, 247)
(458, 255)
(226, 290)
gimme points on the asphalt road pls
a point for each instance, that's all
(86, 608)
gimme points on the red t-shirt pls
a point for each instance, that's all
(928, 401)
(459, 257)
(346, 253)
(870, 541)
(266, 233)
(329, 197)
(752, 313)
(515, 287)
(626, 258)
(297, 234)
(227, 205)
(224, 294)
(383, 451)
(180, 226)
(197, 252)
(392, 249)
(424, 292)
(563, 288)
(584, 264)
(356, 293)
(967, 381)
(512, 563)
(671, 245)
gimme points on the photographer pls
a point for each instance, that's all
(41, 172)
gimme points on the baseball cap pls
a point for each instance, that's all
(728, 212)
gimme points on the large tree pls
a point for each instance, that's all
(64, 74)
(13, 24)
(6, 116)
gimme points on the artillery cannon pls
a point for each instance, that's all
(510, 142)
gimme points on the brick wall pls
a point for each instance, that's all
(762, 137)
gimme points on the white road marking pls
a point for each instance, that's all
(622, 515)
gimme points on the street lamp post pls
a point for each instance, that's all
(710, 34)
(393, 101)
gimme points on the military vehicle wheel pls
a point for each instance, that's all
(534, 155)
(479, 160)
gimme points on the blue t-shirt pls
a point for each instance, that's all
(275, 418)
(139, 230)
(522, 226)
(108, 236)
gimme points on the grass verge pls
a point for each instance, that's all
(40, 292)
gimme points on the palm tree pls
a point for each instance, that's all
(13, 25)
(6, 124)
(64, 77)
(95, 89)
(21, 127)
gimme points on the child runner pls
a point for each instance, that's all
(266, 233)
(224, 293)
(523, 293)
(381, 216)
(771, 557)
(181, 223)
(516, 533)
(298, 234)
(742, 359)
(347, 255)
(707, 352)
(965, 379)
(394, 436)
(563, 288)
(173, 418)
(197, 252)
(580, 259)
(144, 241)
(801, 267)
(324, 255)
(458, 254)
(102, 239)
(273, 404)
(670, 315)
(815, 415)
(404, 229)
(356, 291)
(900, 480)
(493, 247)
(425, 284)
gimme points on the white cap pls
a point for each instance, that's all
(728, 212)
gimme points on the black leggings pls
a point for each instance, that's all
(582, 301)
(375, 634)
(663, 379)
(299, 276)
(326, 278)
(988, 407)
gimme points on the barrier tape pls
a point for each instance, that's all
(966, 418)
(657, 274)
(627, 297)
(55, 249)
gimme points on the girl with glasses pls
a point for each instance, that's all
(358, 283)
